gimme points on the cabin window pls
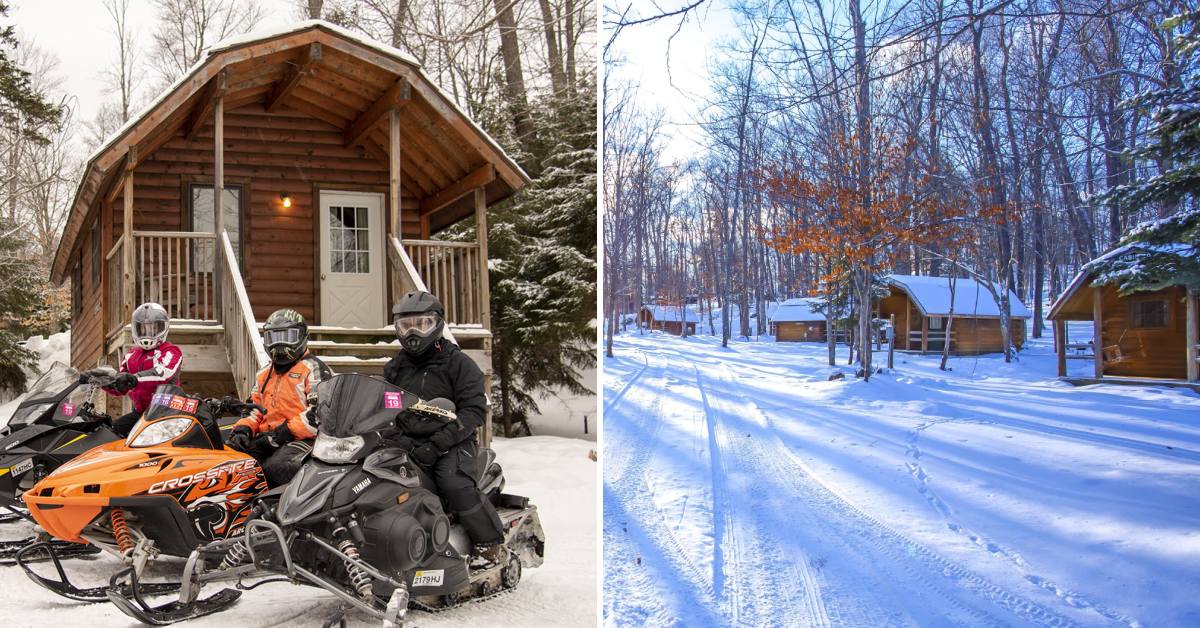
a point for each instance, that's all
(1150, 314)
(201, 210)
(349, 240)
(76, 290)
(936, 322)
(96, 253)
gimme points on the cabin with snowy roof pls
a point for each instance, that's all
(668, 319)
(337, 161)
(923, 307)
(797, 320)
(1145, 336)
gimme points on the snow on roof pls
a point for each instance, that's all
(799, 310)
(1088, 269)
(670, 313)
(932, 297)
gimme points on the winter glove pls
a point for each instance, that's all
(425, 455)
(124, 383)
(444, 439)
(240, 438)
(399, 441)
(311, 415)
(280, 436)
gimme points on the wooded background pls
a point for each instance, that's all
(846, 140)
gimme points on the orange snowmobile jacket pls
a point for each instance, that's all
(285, 396)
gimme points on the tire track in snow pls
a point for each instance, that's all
(761, 584)
(885, 555)
(922, 480)
(625, 486)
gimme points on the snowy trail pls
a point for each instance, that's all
(926, 499)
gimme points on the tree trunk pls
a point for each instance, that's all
(514, 78)
(314, 9)
(558, 78)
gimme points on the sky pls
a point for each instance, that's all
(673, 76)
(80, 34)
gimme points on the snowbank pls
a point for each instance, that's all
(50, 349)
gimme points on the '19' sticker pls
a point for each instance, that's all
(68, 409)
(392, 400)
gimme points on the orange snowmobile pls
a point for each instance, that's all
(170, 487)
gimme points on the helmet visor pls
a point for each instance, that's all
(289, 336)
(148, 329)
(422, 324)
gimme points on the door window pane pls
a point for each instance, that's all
(349, 242)
(202, 221)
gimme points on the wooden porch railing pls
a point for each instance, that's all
(242, 340)
(114, 265)
(450, 271)
(176, 272)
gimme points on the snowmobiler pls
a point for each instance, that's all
(56, 422)
(281, 438)
(151, 362)
(361, 521)
(167, 488)
(431, 367)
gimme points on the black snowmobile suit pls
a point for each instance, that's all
(445, 371)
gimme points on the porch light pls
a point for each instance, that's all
(286, 199)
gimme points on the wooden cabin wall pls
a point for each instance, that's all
(268, 154)
(87, 337)
(800, 332)
(982, 335)
(1160, 353)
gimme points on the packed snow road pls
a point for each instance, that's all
(743, 488)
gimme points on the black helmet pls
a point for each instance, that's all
(285, 336)
(150, 325)
(419, 319)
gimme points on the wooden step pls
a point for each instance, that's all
(205, 359)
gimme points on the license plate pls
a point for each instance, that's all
(429, 578)
(22, 466)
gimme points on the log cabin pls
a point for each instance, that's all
(922, 309)
(667, 318)
(1145, 336)
(337, 161)
(796, 320)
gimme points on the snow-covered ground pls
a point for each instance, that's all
(566, 414)
(741, 487)
(554, 472)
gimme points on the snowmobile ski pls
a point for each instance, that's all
(42, 550)
(62, 549)
(128, 598)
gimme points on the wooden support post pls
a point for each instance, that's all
(1193, 336)
(892, 344)
(394, 174)
(218, 198)
(1060, 345)
(481, 232)
(127, 249)
(907, 322)
(1098, 329)
(924, 334)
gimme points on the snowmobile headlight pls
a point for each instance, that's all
(336, 450)
(159, 432)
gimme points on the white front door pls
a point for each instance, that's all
(352, 275)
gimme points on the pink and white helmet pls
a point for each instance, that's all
(150, 325)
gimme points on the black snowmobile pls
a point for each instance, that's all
(361, 521)
(55, 422)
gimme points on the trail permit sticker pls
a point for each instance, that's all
(429, 578)
(392, 400)
(68, 409)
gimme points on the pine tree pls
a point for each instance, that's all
(1166, 251)
(544, 276)
(20, 298)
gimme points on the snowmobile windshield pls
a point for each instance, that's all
(353, 404)
(171, 401)
(53, 386)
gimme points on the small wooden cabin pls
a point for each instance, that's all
(795, 320)
(337, 162)
(1143, 335)
(922, 307)
(668, 318)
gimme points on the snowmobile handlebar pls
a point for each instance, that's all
(99, 376)
(233, 405)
